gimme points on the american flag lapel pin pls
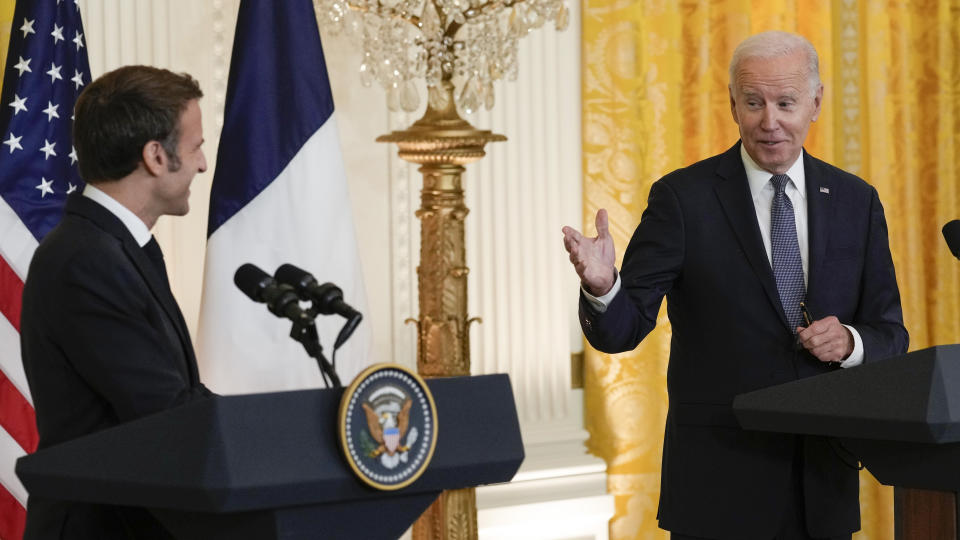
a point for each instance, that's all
(824, 190)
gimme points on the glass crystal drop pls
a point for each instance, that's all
(534, 20)
(470, 96)
(517, 25)
(393, 99)
(409, 97)
(433, 74)
(366, 75)
(496, 71)
(563, 18)
(488, 96)
(430, 21)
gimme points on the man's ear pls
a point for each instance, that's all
(733, 105)
(154, 158)
(817, 100)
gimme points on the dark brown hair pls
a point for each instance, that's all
(123, 110)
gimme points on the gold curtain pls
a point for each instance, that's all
(6, 24)
(655, 99)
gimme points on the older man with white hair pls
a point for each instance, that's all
(741, 244)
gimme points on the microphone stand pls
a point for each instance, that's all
(304, 332)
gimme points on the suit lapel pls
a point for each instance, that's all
(161, 291)
(820, 195)
(89, 209)
(734, 194)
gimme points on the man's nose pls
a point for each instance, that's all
(770, 119)
(203, 162)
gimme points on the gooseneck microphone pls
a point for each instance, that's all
(327, 298)
(951, 233)
(281, 299)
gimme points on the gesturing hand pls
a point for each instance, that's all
(593, 258)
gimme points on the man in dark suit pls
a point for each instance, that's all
(102, 338)
(735, 243)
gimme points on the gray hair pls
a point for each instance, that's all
(773, 44)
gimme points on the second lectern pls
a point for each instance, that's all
(899, 417)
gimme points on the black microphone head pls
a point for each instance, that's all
(951, 233)
(297, 277)
(252, 281)
(326, 297)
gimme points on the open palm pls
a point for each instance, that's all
(593, 257)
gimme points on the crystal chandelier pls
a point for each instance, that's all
(469, 43)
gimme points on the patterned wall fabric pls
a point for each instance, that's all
(655, 99)
(6, 26)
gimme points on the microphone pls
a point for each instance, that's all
(327, 298)
(951, 233)
(281, 299)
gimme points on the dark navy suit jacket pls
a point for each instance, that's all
(103, 342)
(698, 243)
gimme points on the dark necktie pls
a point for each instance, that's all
(785, 251)
(152, 249)
(155, 254)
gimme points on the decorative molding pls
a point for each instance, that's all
(220, 58)
(404, 182)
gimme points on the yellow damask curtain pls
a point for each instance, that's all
(655, 99)
(6, 23)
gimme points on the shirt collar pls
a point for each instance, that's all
(135, 225)
(759, 178)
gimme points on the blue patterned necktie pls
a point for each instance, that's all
(787, 265)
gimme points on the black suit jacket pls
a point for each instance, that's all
(698, 243)
(103, 342)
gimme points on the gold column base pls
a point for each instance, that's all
(452, 517)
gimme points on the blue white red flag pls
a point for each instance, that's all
(279, 196)
(46, 70)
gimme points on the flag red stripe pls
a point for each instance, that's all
(17, 416)
(11, 294)
(16, 413)
(13, 517)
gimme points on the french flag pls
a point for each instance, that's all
(279, 195)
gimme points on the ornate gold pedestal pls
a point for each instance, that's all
(442, 142)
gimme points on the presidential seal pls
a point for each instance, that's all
(388, 426)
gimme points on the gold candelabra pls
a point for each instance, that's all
(460, 48)
(442, 143)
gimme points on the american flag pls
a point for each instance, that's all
(46, 70)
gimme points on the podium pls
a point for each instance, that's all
(899, 417)
(267, 466)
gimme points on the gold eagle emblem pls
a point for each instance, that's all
(388, 429)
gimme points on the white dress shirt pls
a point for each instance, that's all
(761, 189)
(135, 225)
